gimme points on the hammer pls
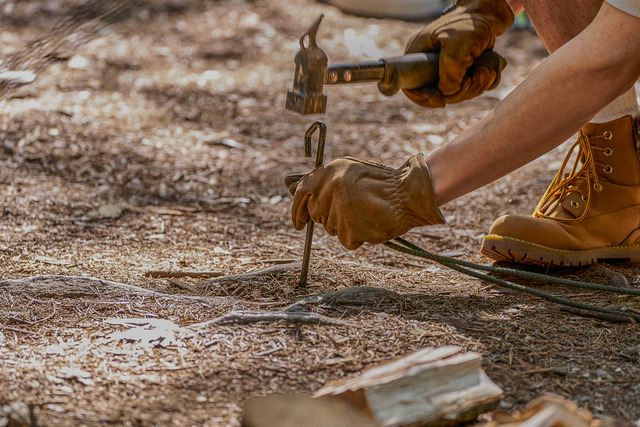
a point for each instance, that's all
(409, 71)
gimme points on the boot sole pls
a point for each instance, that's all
(502, 248)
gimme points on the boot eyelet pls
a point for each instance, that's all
(575, 204)
(608, 151)
(597, 187)
(607, 135)
(608, 169)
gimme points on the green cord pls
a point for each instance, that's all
(468, 267)
(519, 273)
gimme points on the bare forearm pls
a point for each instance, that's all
(556, 100)
(516, 6)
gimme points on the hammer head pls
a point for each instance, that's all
(311, 69)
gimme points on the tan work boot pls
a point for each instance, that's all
(588, 214)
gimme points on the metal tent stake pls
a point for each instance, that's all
(306, 255)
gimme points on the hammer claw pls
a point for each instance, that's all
(311, 33)
(311, 67)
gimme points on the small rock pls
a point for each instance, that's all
(76, 374)
(275, 200)
(65, 389)
(611, 277)
(16, 414)
(17, 77)
(227, 142)
(423, 128)
(78, 62)
(56, 408)
(54, 349)
(208, 76)
(163, 190)
(453, 254)
(110, 211)
(604, 375)
(505, 405)
(634, 350)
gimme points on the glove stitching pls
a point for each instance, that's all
(401, 205)
(395, 195)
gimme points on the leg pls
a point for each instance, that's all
(605, 191)
(557, 22)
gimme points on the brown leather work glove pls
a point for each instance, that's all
(366, 202)
(461, 35)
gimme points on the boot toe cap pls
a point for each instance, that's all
(534, 231)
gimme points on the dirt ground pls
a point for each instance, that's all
(162, 146)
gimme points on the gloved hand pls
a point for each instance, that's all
(366, 202)
(461, 35)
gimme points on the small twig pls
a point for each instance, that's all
(543, 370)
(44, 319)
(272, 261)
(248, 317)
(356, 295)
(270, 351)
(35, 322)
(177, 274)
(183, 286)
(276, 269)
(19, 320)
(22, 331)
(614, 318)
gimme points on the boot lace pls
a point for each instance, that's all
(585, 168)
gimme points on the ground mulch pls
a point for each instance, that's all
(161, 146)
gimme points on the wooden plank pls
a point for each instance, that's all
(433, 386)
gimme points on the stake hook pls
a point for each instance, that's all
(322, 136)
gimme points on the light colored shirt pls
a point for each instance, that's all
(632, 7)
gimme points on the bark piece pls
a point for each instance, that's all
(17, 414)
(291, 410)
(548, 411)
(433, 386)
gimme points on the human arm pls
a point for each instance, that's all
(555, 101)
(516, 6)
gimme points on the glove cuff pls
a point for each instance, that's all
(420, 200)
(498, 13)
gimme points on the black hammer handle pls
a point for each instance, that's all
(409, 71)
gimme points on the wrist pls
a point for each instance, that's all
(516, 7)
(498, 13)
(417, 190)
